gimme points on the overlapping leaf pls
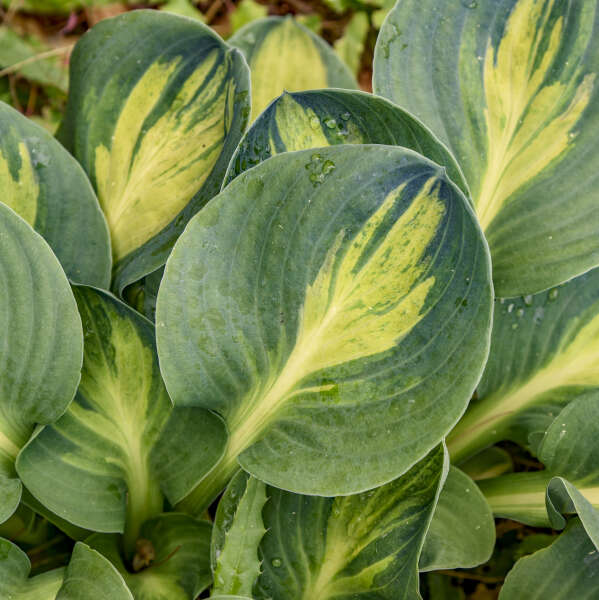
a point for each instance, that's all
(44, 184)
(462, 531)
(157, 105)
(102, 464)
(284, 55)
(544, 353)
(40, 372)
(511, 86)
(366, 545)
(570, 482)
(302, 120)
(307, 314)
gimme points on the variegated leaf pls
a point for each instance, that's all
(97, 466)
(511, 86)
(306, 313)
(312, 119)
(544, 353)
(42, 183)
(285, 55)
(157, 105)
(365, 546)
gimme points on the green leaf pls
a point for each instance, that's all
(512, 88)
(350, 46)
(567, 569)
(31, 59)
(365, 546)
(14, 576)
(462, 532)
(238, 529)
(323, 280)
(42, 182)
(156, 107)
(96, 466)
(312, 119)
(285, 55)
(544, 353)
(491, 462)
(142, 294)
(571, 479)
(184, 8)
(180, 569)
(245, 12)
(40, 372)
(90, 575)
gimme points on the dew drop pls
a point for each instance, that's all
(276, 562)
(470, 3)
(553, 294)
(528, 300)
(314, 122)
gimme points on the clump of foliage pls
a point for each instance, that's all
(266, 336)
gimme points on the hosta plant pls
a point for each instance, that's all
(263, 345)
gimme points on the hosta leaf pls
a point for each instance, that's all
(544, 352)
(156, 107)
(284, 55)
(14, 576)
(238, 530)
(491, 462)
(325, 302)
(142, 294)
(95, 466)
(365, 546)
(569, 568)
(512, 88)
(91, 575)
(40, 372)
(42, 182)
(462, 532)
(302, 120)
(570, 482)
(180, 567)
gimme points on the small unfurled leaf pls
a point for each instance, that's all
(157, 105)
(237, 533)
(284, 55)
(39, 371)
(512, 88)
(323, 280)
